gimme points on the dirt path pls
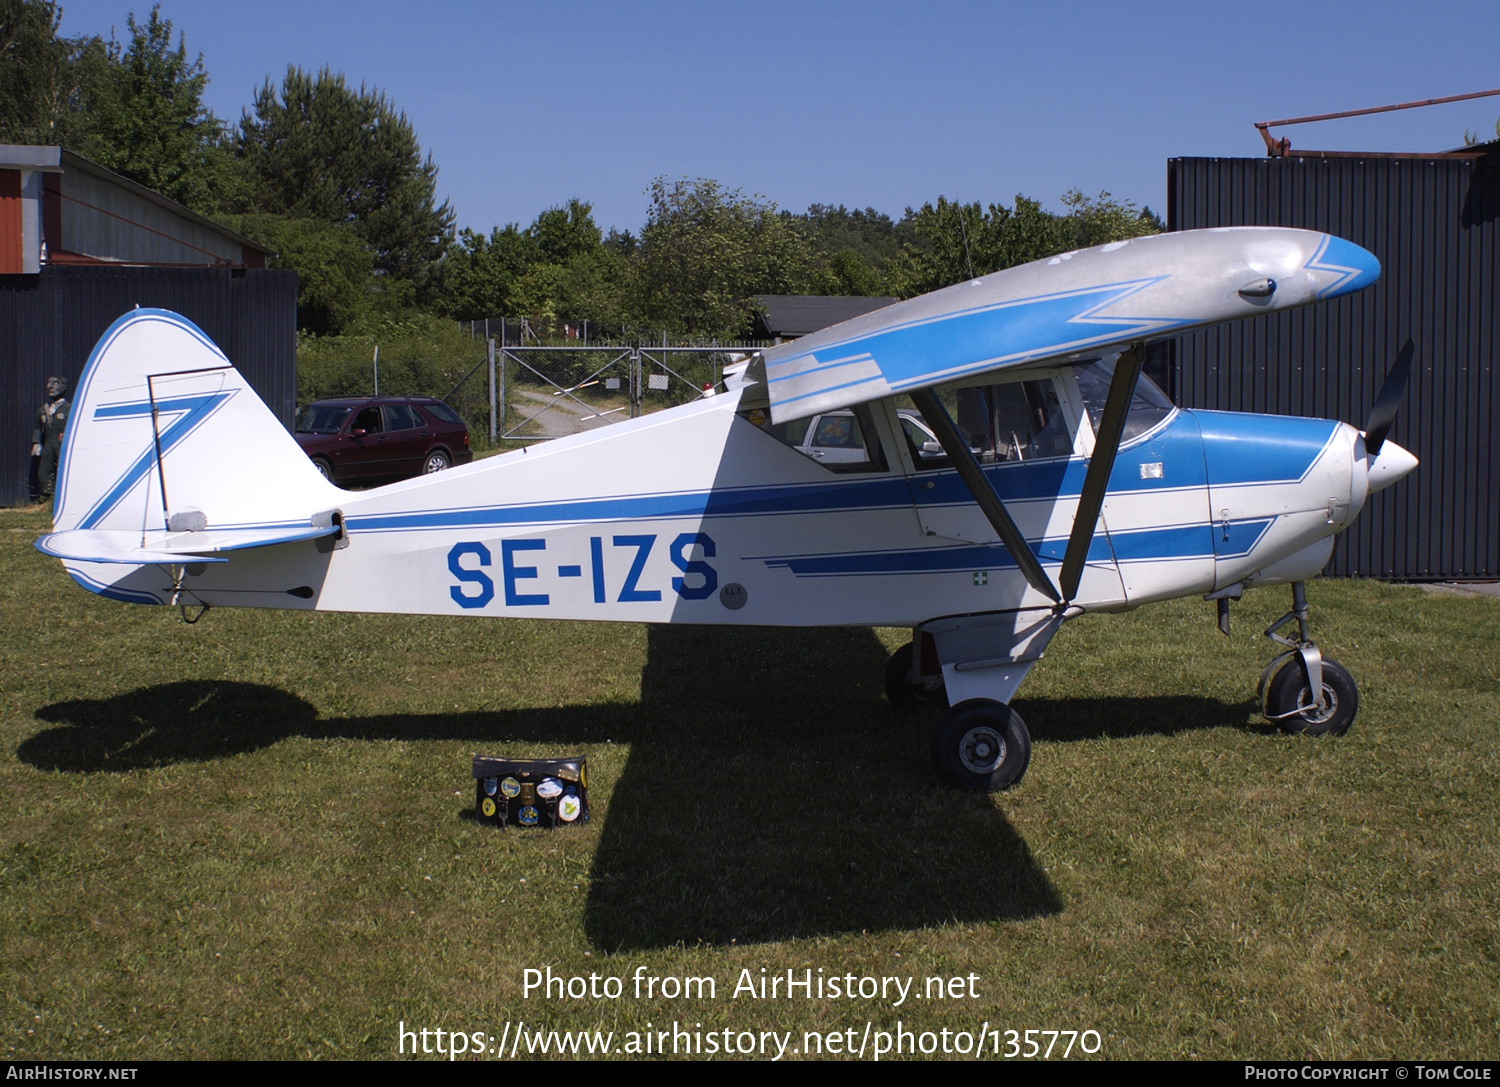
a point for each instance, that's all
(563, 415)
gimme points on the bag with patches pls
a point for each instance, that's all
(531, 792)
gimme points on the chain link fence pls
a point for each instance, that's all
(514, 387)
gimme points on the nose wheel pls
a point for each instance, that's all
(1302, 691)
(1290, 703)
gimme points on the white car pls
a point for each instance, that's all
(835, 437)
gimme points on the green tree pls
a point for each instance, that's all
(320, 150)
(560, 234)
(33, 61)
(706, 250)
(869, 234)
(558, 269)
(1102, 219)
(151, 124)
(846, 272)
(333, 267)
(482, 273)
(953, 242)
(54, 90)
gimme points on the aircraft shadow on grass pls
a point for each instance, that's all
(770, 792)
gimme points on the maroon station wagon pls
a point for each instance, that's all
(382, 438)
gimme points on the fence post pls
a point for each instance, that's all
(502, 378)
(489, 350)
(376, 364)
(635, 381)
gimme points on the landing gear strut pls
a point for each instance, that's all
(1301, 690)
(974, 663)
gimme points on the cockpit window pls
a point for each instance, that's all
(1018, 420)
(841, 441)
(1148, 408)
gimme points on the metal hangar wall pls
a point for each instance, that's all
(1431, 220)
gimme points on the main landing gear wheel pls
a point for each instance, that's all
(1290, 702)
(905, 694)
(981, 745)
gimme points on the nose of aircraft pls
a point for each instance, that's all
(1391, 464)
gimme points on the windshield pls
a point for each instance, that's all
(321, 419)
(1148, 407)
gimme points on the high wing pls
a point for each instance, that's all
(1066, 308)
(1071, 306)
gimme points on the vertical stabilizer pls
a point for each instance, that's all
(165, 432)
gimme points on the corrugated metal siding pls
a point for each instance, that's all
(102, 219)
(1432, 224)
(49, 324)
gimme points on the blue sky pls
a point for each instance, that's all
(524, 105)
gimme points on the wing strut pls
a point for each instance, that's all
(962, 458)
(1101, 464)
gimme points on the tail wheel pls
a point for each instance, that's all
(1290, 702)
(981, 745)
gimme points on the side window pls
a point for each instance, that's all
(439, 410)
(400, 417)
(367, 420)
(838, 431)
(841, 441)
(321, 419)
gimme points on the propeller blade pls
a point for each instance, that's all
(1383, 414)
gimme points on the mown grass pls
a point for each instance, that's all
(253, 837)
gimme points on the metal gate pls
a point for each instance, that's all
(550, 392)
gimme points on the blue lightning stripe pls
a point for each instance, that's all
(1357, 268)
(194, 410)
(1238, 449)
(1152, 545)
(961, 343)
(91, 367)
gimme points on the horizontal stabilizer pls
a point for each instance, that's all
(1069, 307)
(171, 548)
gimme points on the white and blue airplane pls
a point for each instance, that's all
(980, 464)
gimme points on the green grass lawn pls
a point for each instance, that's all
(254, 837)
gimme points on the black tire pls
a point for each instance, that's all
(981, 745)
(437, 461)
(1290, 704)
(324, 468)
(902, 693)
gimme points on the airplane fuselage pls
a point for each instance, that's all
(697, 515)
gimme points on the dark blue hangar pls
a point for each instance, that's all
(1431, 220)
